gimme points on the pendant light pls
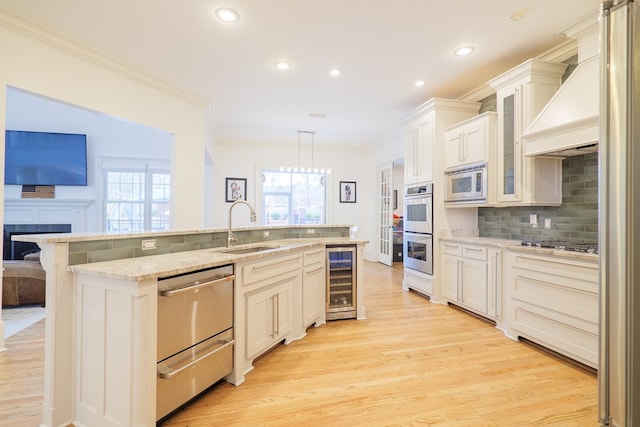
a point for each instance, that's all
(304, 169)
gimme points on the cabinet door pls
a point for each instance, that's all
(411, 156)
(494, 284)
(283, 308)
(313, 298)
(450, 277)
(474, 285)
(452, 148)
(475, 141)
(508, 150)
(259, 333)
(425, 137)
(268, 316)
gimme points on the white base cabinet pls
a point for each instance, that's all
(267, 290)
(313, 288)
(472, 278)
(554, 302)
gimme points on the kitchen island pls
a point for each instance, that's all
(101, 329)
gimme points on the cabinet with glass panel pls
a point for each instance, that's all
(521, 94)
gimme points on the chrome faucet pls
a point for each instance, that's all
(231, 239)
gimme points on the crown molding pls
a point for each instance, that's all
(57, 41)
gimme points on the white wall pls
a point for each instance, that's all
(242, 161)
(107, 137)
(56, 68)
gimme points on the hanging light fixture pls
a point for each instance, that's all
(304, 169)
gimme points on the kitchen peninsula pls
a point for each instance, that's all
(102, 308)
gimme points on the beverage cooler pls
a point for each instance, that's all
(341, 282)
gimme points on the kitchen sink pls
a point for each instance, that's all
(248, 250)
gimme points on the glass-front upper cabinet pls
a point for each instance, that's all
(521, 94)
(508, 146)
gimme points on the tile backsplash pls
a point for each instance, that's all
(576, 220)
(111, 248)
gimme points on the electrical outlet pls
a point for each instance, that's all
(547, 223)
(149, 244)
(533, 220)
(265, 233)
(311, 231)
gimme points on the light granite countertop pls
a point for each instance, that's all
(515, 245)
(154, 266)
(490, 241)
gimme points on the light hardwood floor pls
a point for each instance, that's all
(411, 363)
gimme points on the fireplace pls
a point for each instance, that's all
(17, 250)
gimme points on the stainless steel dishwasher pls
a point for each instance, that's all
(195, 334)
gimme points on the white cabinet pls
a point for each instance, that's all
(313, 287)
(418, 150)
(553, 301)
(521, 94)
(268, 307)
(471, 141)
(451, 254)
(269, 315)
(472, 277)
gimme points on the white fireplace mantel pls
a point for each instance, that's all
(47, 211)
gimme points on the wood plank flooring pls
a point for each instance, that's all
(411, 363)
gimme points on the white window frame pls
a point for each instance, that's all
(259, 195)
(147, 166)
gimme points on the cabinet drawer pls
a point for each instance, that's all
(269, 268)
(578, 340)
(451, 248)
(314, 256)
(474, 252)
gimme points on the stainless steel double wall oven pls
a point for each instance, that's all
(418, 227)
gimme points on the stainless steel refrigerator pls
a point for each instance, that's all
(619, 201)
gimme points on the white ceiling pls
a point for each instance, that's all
(382, 47)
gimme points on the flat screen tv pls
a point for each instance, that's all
(45, 158)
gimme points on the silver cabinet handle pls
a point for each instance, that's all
(273, 315)
(174, 292)
(170, 373)
(460, 279)
(277, 315)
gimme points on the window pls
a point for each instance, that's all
(136, 200)
(290, 198)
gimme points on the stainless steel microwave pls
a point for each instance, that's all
(467, 184)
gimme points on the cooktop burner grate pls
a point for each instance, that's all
(590, 248)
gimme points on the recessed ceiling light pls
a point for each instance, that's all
(318, 115)
(419, 83)
(335, 72)
(464, 51)
(226, 14)
(517, 15)
(283, 65)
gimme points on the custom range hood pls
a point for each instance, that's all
(569, 124)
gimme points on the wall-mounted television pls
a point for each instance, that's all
(45, 158)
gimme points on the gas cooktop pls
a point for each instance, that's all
(589, 248)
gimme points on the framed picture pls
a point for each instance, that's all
(236, 189)
(347, 192)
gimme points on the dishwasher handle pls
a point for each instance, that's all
(168, 373)
(193, 287)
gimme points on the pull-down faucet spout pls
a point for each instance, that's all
(231, 239)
